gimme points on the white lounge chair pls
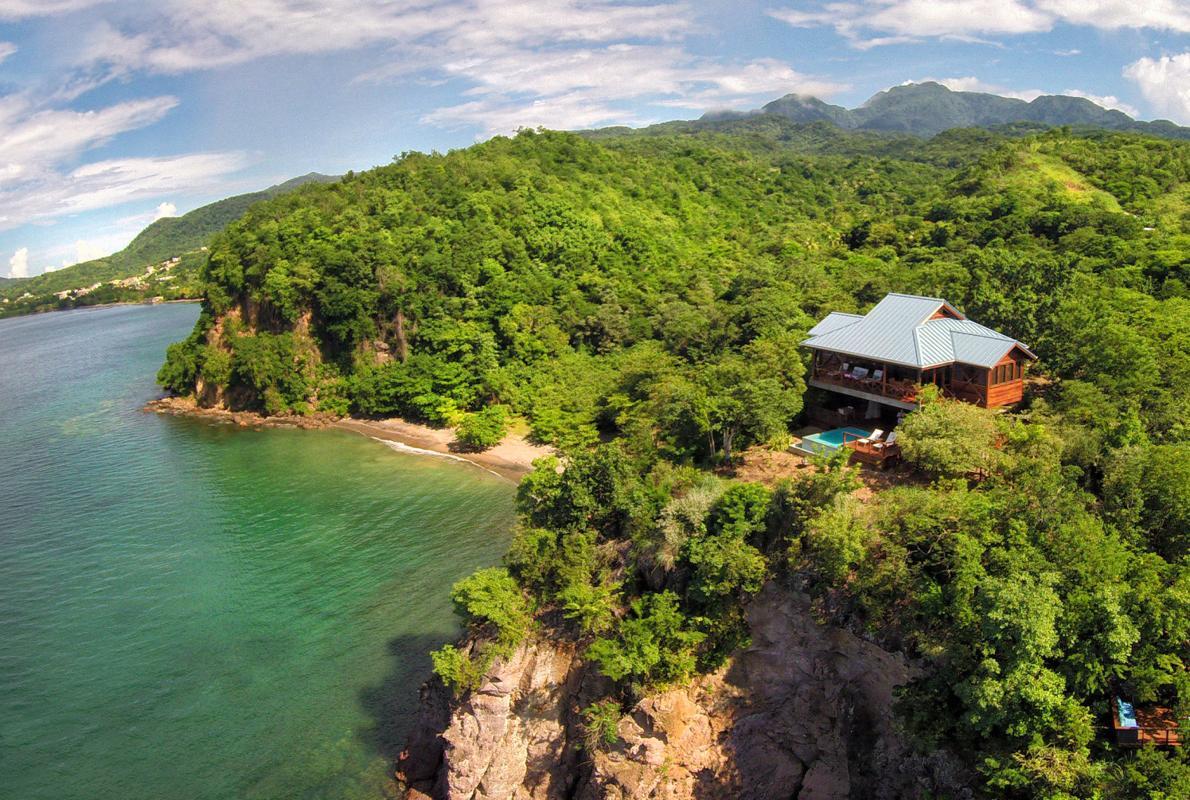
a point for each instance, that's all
(892, 439)
(872, 437)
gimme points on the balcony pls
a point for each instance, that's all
(870, 384)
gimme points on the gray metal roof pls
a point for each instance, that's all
(899, 330)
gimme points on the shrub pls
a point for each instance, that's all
(601, 721)
(655, 645)
(493, 597)
(483, 429)
(949, 438)
(458, 670)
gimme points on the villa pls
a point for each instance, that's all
(870, 368)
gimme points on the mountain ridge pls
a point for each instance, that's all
(929, 108)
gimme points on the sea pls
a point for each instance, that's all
(198, 611)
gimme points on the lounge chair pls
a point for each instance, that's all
(859, 373)
(872, 437)
(892, 439)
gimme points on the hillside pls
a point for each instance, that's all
(926, 109)
(162, 240)
(638, 299)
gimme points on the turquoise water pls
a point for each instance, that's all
(833, 439)
(193, 611)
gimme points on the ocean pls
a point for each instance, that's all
(193, 610)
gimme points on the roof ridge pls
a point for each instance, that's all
(990, 335)
(916, 296)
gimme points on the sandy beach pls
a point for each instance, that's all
(510, 459)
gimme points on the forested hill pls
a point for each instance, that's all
(925, 109)
(639, 301)
(163, 239)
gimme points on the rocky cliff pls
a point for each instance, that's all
(805, 712)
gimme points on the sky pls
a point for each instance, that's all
(114, 113)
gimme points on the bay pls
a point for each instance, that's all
(190, 610)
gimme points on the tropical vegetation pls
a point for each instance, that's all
(637, 299)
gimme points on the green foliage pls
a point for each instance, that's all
(457, 669)
(491, 597)
(654, 645)
(948, 438)
(484, 429)
(601, 722)
(639, 298)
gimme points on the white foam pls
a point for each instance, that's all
(401, 447)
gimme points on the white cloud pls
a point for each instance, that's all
(973, 84)
(6, 50)
(1170, 15)
(18, 265)
(1108, 101)
(41, 146)
(561, 63)
(578, 88)
(1165, 83)
(17, 9)
(33, 139)
(872, 23)
(166, 209)
(113, 182)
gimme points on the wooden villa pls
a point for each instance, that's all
(869, 369)
(884, 358)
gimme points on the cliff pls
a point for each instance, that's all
(805, 712)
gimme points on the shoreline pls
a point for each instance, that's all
(98, 306)
(511, 459)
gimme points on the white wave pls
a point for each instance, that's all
(401, 447)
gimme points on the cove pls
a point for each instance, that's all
(193, 611)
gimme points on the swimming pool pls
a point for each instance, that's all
(828, 441)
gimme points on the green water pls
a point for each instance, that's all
(193, 611)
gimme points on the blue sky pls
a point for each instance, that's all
(114, 112)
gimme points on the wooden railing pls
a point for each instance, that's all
(905, 391)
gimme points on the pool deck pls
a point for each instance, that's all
(807, 443)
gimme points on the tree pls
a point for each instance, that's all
(948, 438)
(483, 429)
(654, 645)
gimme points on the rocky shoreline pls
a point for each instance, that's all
(805, 712)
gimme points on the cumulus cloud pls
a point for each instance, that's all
(881, 22)
(1108, 101)
(166, 209)
(1165, 83)
(18, 264)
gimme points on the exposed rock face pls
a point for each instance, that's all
(511, 738)
(805, 712)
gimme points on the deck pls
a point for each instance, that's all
(901, 394)
(877, 454)
(1155, 726)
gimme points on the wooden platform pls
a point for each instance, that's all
(1154, 726)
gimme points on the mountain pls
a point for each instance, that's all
(927, 109)
(160, 241)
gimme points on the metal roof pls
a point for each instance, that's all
(899, 330)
